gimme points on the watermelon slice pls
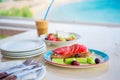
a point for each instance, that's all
(72, 49)
(68, 51)
(82, 49)
(58, 51)
(77, 46)
(63, 50)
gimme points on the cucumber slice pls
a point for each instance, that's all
(80, 60)
(72, 36)
(91, 60)
(58, 60)
(69, 60)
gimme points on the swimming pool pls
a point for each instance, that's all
(99, 11)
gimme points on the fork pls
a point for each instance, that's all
(9, 70)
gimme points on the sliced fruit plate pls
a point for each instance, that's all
(60, 38)
(75, 56)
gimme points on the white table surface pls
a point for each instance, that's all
(101, 38)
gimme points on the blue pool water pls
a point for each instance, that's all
(100, 11)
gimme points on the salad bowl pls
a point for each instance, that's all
(57, 41)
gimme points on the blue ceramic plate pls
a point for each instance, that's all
(101, 55)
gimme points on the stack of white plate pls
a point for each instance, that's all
(23, 48)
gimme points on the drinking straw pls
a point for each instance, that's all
(48, 9)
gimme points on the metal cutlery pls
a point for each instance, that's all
(22, 68)
(22, 73)
(26, 67)
(15, 68)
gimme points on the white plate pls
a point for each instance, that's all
(40, 74)
(60, 42)
(22, 45)
(23, 53)
(24, 56)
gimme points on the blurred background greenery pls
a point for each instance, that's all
(17, 12)
(2, 36)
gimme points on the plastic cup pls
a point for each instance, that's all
(42, 27)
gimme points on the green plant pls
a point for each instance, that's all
(26, 12)
(4, 12)
(0, 0)
(18, 12)
(2, 36)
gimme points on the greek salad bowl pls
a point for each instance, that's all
(60, 38)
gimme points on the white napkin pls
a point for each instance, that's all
(30, 76)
